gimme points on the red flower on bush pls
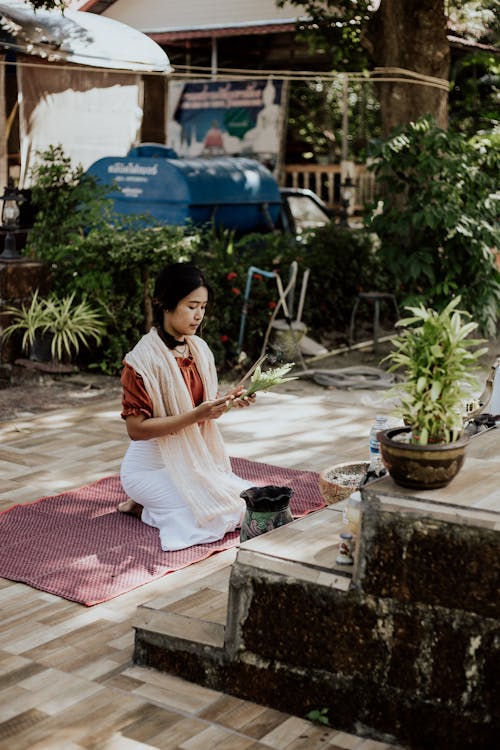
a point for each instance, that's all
(258, 276)
(224, 338)
(235, 290)
(271, 305)
(231, 275)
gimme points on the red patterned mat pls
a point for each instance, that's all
(77, 546)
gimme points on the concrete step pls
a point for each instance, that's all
(193, 615)
(207, 613)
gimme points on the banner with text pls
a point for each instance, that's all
(232, 118)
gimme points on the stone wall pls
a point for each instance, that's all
(409, 653)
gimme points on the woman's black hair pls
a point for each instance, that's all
(173, 283)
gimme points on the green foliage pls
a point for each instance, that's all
(66, 201)
(438, 220)
(48, 4)
(107, 258)
(226, 261)
(337, 27)
(474, 94)
(72, 324)
(315, 119)
(343, 263)
(319, 716)
(438, 359)
(116, 265)
(28, 320)
(113, 262)
(68, 322)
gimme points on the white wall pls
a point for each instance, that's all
(162, 15)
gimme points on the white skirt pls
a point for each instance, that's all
(146, 480)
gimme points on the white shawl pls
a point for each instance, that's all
(195, 456)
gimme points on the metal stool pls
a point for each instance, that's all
(375, 298)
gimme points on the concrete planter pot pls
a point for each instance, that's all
(420, 467)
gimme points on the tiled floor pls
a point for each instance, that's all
(66, 677)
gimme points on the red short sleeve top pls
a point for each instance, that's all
(135, 399)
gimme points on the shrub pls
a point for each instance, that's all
(113, 261)
(226, 262)
(343, 262)
(438, 220)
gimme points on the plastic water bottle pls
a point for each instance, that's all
(376, 467)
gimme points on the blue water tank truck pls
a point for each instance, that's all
(232, 193)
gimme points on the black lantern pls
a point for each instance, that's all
(346, 196)
(12, 199)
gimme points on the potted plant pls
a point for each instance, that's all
(439, 361)
(64, 322)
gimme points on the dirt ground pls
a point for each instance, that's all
(35, 395)
(36, 392)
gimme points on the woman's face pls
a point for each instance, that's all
(185, 319)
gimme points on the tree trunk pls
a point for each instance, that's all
(410, 34)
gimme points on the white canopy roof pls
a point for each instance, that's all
(78, 37)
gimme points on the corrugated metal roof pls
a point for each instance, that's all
(218, 31)
(96, 6)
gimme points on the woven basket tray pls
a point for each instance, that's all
(340, 480)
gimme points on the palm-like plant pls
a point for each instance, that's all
(439, 362)
(30, 320)
(69, 324)
(72, 324)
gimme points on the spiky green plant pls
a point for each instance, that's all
(29, 319)
(70, 324)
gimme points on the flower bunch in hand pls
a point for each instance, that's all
(261, 381)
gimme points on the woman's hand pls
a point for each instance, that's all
(238, 398)
(213, 409)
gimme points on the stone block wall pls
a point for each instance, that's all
(409, 653)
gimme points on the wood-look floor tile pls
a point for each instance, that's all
(10, 662)
(93, 669)
(186, 695)
(345, 740)
(14, 700)
(56, 691)
(119, 742)
(92, 716)
(288, 730)
(233, 712)
(56, 741)
(120, 681)
(152, 721)
(212, 738)
(265, 723)
(19, 723)
(239, 742)
(311, 738)
(68, 682)
(172, 737)
(16, 676)
(171, 699)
